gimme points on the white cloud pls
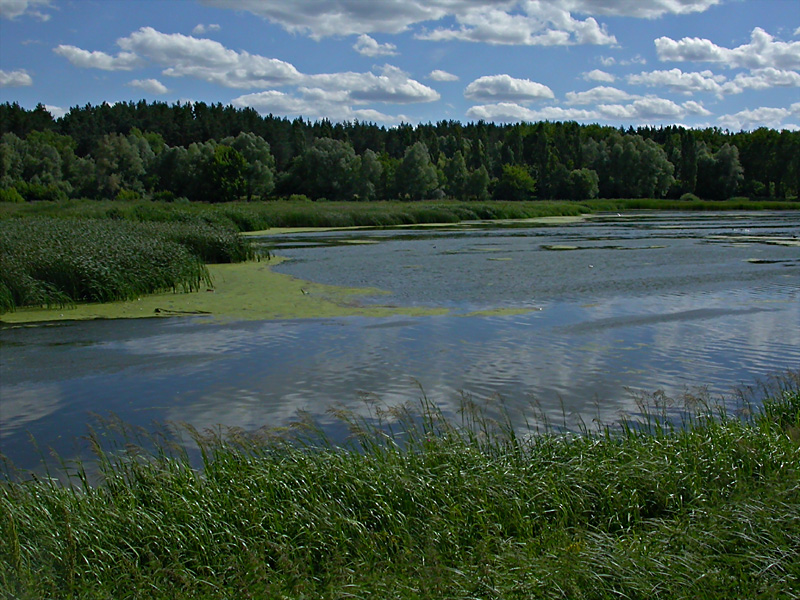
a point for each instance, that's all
(323, 18)
(510, 112)
(706, 81)
(678, 81)
(19, 78)
(608, 61)
(763, 79)
(200, 29)
(392, 85)
(333, 95)
(598, 95)
(696, 108)
(645, 109)
(759, 117)
(153, 86)
(439, 75)
(56, 111)
(494, 88)
(369, 47)
(313, 103)
(544, 24)
(598, 75)
(208, 60)
(797, 31)
(11, 9)
(124, 61)
(647, 9)
(762, 51)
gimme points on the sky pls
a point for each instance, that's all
(732, 64)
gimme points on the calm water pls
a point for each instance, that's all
(645, 302)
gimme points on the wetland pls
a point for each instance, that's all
(566, 320)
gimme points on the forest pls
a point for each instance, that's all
(216, 153)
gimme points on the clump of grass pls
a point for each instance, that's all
(57, 262)
(416, 505)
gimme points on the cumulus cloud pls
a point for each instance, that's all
(510, 112)
(646, 9)
(312, 103)
(598, 95)
(153, 86)
(391, 85)
(369, 47)
(678, 81)
(504, 88)
(322, 18)
(123, 61)
(335, 95)
(762, 79)
(439, 75)
(763, 51)
(200, 29)
(706, 81)
(640, 110)
(645, 109)
(11, 9)
(186, 56)
(19, 78)
(598, 75)
(759, 117)
(543, 24)
(56, 111)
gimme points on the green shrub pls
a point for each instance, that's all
(10, 195)
(689, 197)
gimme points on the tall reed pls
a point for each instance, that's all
(417, 505)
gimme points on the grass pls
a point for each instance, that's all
(416, 505)
(45, 261)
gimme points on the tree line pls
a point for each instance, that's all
(219, 153)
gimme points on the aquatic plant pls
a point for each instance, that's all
(57, 262)
(418, 505)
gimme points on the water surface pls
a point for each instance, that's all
(568, 319)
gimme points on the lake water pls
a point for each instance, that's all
(561, 320)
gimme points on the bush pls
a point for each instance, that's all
(10, 195)
(689, 197)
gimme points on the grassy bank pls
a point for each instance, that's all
(45, 261)
(296, 213)
(419, 507)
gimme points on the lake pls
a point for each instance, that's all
(565, 320)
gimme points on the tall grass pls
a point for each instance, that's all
(57, 262)
(416, 505)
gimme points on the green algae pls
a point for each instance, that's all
(242, 291)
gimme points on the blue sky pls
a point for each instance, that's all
(733, 64)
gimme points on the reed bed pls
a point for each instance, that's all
(255, 216)
(58, 262)
(417, 505)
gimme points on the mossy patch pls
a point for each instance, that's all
(242, 291)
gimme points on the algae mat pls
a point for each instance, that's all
(242, 291)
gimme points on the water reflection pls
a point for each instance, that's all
(680, 306)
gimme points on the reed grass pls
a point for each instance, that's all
(58, 262)
(419, 505)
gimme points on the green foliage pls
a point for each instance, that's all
(10, 195)
(56, 262)
(417, 504)
(516, 184)
(416, 176)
